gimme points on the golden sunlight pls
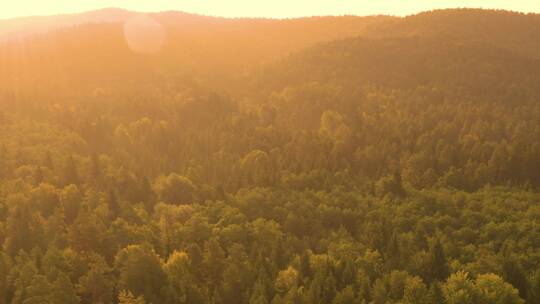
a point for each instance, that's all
(144, 35)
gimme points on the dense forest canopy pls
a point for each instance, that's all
(316, 160)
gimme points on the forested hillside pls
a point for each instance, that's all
(318, 160)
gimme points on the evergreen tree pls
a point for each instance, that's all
(437, 264)
(513, 273)
(379, 292)
(345, 296)
(534, 290)
(5, 269)
(213, 262)
(39, 291)
(140, 272)
(114, 206)
(71, 175)
(435, 295)
(63, 291)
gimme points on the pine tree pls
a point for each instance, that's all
(305, 267)
(345, 296)
(5, 268)
(95, 170)
(213, 262)
(514, 274)
(435, 295)
(534, 290)
(146, 195)
(64, 291)
(114, 206)
(259, 294)
(393, 253)
(39, 291)
(379, 292)
(71, 176)
(437, 264)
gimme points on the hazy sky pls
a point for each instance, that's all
(258, 8)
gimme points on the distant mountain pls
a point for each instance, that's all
(514, 31)
(90, 49)
(477, 68)
(18, 28)
(464, 51)
(459, 48)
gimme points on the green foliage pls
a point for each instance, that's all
(174, 189)
(345, 296)
(126, 297)
(141, 272)
(401, 166)
(460, 289)
(495, 290)
(64, 291)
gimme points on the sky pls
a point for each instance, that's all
(258, 8)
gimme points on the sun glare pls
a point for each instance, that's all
(144, 35)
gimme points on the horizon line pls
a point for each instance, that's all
(111, 8)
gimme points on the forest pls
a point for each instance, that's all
(321, 160)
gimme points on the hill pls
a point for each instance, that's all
(316, 160)
(513, 31)
(91, 49)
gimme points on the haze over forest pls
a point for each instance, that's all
(178, 158)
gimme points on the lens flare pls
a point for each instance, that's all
(144, 35)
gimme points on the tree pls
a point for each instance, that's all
(38, 175)
(286, 279)
(460, 289)
(140, 272)
(305, 266)
(494, 290)
(236, 275)
(70, 199)
(95, 169)
(345, 296)
(390, 184)
(437, 264)
(24, 229)
(5, 268)
(71, 175)
(262, 289)
(323, 287)
(87, 232)
(534, 291)
(126, 297)
(435, 295)
(379, 292)
(396, 284)
(514, 274)
(182, 287)
(334, 127)
(39, 291)
(364, 286)
(96, 285)
(213, 261)
(393, 253)
(54, 264)
(174, 189)
(114, 206)
(63, 291)
(415, 291)
(256, 167)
